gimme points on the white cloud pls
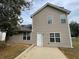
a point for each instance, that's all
(75, 19)
(28, 0)
(74, 4)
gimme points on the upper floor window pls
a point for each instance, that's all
(63, 18)
(49, 20)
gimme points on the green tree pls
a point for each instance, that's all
(10, 11)
(74, 26)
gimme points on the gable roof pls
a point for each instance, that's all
(23, 28)
(26, 27)
(53, 6)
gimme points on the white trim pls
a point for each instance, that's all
(69, 34)
(52, 5)
(55, 37)
(63, 15)
(51, 19)
(32, 24)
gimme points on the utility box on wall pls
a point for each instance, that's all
(2, 36)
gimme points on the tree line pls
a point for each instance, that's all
(74, 27)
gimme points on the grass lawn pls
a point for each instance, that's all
(72, 53)
(12, 50)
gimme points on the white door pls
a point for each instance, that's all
(39, 39)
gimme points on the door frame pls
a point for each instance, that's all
(41, 39)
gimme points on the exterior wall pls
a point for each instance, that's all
(40, 24)
(19, 39)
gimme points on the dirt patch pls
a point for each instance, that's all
(72, 53)
(10, 51)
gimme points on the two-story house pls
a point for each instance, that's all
(50, 27)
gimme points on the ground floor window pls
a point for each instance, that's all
(26, 36)
(54, 37)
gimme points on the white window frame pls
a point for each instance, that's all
(27, 35)
(56, 37)
(24, 35)
(51, 19)
(63, 16)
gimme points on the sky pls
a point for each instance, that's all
(72, 5)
